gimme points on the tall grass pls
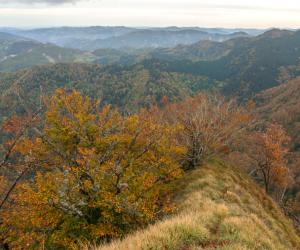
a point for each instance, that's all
(218, 208)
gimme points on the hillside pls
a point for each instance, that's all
(18, 53)
(127, 88)
(218, 208)
(252, 65)
(282, 104)
(73, 37)
(200, 51)
(244, 65)
(160, 38)
(92, 38)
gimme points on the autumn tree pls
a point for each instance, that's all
(13, 167)
(209, 124)
(98, 175)
(269, 149)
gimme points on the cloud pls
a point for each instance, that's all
(48, 2)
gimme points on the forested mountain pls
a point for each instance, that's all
(245, 65)
(127, 88)
(199, 51)
(282, 104)
(125, 57)
(242, 66)
(6, 37)
(159, 38)
(252, 65)
(92, 38)
(73, 37)
(18, 53)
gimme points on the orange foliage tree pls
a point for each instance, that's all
(13, 167)
(98, 175)
(268, 150)
(209, 125)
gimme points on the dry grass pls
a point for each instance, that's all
(218, 208)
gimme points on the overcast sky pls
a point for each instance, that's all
(205, 13)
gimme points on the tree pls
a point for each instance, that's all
(268, 150)
(209, 124)
(98, 175)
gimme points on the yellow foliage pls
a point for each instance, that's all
(99, 175)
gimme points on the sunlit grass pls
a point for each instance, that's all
(218, 208)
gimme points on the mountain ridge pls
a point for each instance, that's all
(219, 207)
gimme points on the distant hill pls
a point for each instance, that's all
(219, 207)
(245, 65)
(252, 64)
(125, 57)
(6, 37)
(73, 37)
(240, 66)
(92, 38)
(18, 53)
(160, 38)
(205, 50)
(200, 51)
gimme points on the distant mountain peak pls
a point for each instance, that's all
(274, 33)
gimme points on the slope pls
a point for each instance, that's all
(125, 88)
(252, 65)
(219, 208)
(205, 50)
(281, 104)
(160, 38)
(200, 51)
(91, 38)
(18, 53)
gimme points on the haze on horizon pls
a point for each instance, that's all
(204, 13)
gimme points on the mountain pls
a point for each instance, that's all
(241, 66)
(128, 88)
(252, 32)
(6, 37)
(92, 38)
(200, 51)
(252, 65)
(159, 38)
(205, 50)
(121, 56)
(244, 65)
(219, 207)
(73, 37)
(18, 53)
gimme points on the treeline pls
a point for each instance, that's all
(77, 171)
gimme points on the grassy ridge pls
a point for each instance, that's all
(219, 208)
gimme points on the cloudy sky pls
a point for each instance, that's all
(205, 13)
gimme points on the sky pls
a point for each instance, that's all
(141, 13)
